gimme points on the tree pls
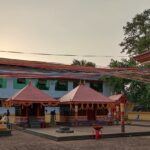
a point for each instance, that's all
(83, 63)
(137, 34)
(136, 91)
(119, 84)
(136, 41)
(124, 63)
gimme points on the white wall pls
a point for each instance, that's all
(10, 91)
(107, 90)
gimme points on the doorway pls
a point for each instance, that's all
(33, 110)
(91, 115)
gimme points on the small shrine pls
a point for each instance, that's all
(29, 104)
(83, 104)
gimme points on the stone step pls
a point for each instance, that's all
(35, 126)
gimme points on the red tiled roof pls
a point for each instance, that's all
(31, 94)
(145, 57)
(83, 93)
(67, 71)
(53, 66)
(118, 97)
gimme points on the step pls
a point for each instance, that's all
(35, 126)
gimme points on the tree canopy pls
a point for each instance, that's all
(137, 34)
(83, 63)
(136, 41)
(136, 91)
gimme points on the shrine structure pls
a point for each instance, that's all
(84, 104)
(29, 103)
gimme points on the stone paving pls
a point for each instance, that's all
(79, 131)
(24, 141)
(141, 123)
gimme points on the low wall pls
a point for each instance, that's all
(144, 116)
(81, 118)
(72, 118)
(48, 117)
(12, 119)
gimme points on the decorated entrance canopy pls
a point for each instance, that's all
(29, 95)
(84, 94)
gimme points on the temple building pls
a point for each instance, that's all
(55, 80)
(30, 103)
(83, 104)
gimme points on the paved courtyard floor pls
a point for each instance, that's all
(24, 141)
(80, 131)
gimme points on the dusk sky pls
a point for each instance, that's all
(73, 27)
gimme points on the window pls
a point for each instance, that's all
(2, 83)
(20, 83)
(42, 84)
(97, 86)
(61, 86)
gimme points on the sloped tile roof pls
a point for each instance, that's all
(31, 94)
(118, 98)
(144, 57)
(67, 71)
(83, 93)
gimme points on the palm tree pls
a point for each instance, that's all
(83, 63)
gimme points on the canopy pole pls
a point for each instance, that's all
(122, 117)
(76, 114)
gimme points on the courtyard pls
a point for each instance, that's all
(24, 141)
(88, 132)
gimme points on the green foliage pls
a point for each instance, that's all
(136, 41)
(137, 34)
(119, 84)
(136, 91)
(124, 63)
(83, 63)
(139, 92)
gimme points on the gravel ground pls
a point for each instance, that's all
(24, 141)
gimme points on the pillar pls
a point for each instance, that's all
(117, 112)
(76, 114)
(27, 111)
(122, 117)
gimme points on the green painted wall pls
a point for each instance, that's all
(19, 85)
(3, 83)
(45, 86)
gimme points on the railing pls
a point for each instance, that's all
(24, 119)
(81, 118)
(21, 119)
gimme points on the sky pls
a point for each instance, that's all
(69, 27)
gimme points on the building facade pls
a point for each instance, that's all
(54, 79)
(55, 87)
